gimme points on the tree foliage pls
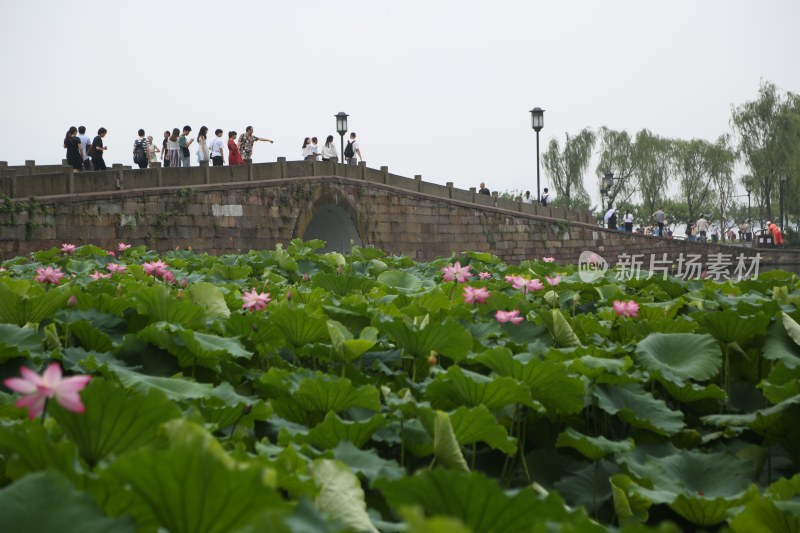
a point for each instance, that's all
(566, 168)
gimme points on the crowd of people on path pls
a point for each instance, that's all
(177, 146)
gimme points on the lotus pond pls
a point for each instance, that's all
(292, 391)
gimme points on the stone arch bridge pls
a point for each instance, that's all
(228, 209)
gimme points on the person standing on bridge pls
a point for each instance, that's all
(627, 219)
(173, 149)
(329, 150)
(217, 149)
(659, 217)
(202, 146)
(86, 142)
(702, 227)
(234, 157)
(351, 150)
(184, 142)
(74, 149)
(246, 142)
(97, 150)
(484, 190)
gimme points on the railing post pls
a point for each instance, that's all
(249, 163)
(418, 180)
(472, 192)
(449, 186)
(362, 166)
(282, 164)
(385, 172)
(70, 178)
(12, 173)
(118, 179)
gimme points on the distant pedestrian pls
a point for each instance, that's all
(702, 227)
(612, 220)
(307, 150)
(74, 148)
(659, 217)
(484, 190)
(152, 150)
(777, 235)
(217, 149)
(140, 150)
(317, 150)
(352, 150)
(173, 149)
(526, 198)
(246, 141)
(184, 141)
(98, 149)
(202, 145)
(627, 219)
(86, 142)
(545, 198)
(165, 149)
(329, 152)
(234, 156)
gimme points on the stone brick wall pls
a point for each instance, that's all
(233, 217)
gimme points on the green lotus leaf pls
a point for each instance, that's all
(420, 336)
(593, 448)
(257, 329)
(638, 408)
(763, 515)
(46, 502)
(114, 421)
(21, 303)
(588, 486)
(29, 449)
(602, 369)
(299, 325)
(221, 273)
(729, 326)
(175, 388)
(341, 495)
(348, 348)
(559, 328)
(446, 449)
(470, 425)
(333, 430)
(404, 282)
(699, 486)
(367, 462)
(759, 421)
(209, 297)
(342, 284)
(160, 305)
(192, 348)
(480, 503)
(418, 523)
(459, 387)
(691, 392)
(90, 337)
(219, 497)
(550, 384)
(680, 356)
(780, 346)
(16, 341)
(630, 507)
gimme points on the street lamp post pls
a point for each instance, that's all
(537, 122)
(780, 197)
(341, 129)
(608, 185)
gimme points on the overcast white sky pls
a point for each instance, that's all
(441, 88)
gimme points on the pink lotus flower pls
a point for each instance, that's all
(629, 308)
(508, 316)
(549, 259)
(49, 275)
(36, 389)
(518, 282)
(255, 301)
(155, 268)
(111, 253)
(99, 275)
(289, 294)
(534, 285)
(456, 272)
(68, 248)
(121, 247)
(484, 275)
(72, 301)
(553, 281)
(184, 281)
(510, 279)
(168, 276)
(473, 295)
(305, 276)
(116, 268)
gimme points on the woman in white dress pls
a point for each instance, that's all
(202, 146)
(329, 150)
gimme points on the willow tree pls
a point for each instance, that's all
(652, 162)
(617, 155)
(566, 168)
(768, 133)
(704, 172)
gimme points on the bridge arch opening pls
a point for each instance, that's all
(333, 225)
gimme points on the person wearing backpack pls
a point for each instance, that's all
(351, 150)
(140, 150)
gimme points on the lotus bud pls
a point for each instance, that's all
(432, 359)
(72, 301)
(289, 294)
(305, 276)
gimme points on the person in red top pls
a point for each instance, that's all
(234, 157)
(777, 236)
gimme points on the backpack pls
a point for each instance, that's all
(348, 150)
(139, 153)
